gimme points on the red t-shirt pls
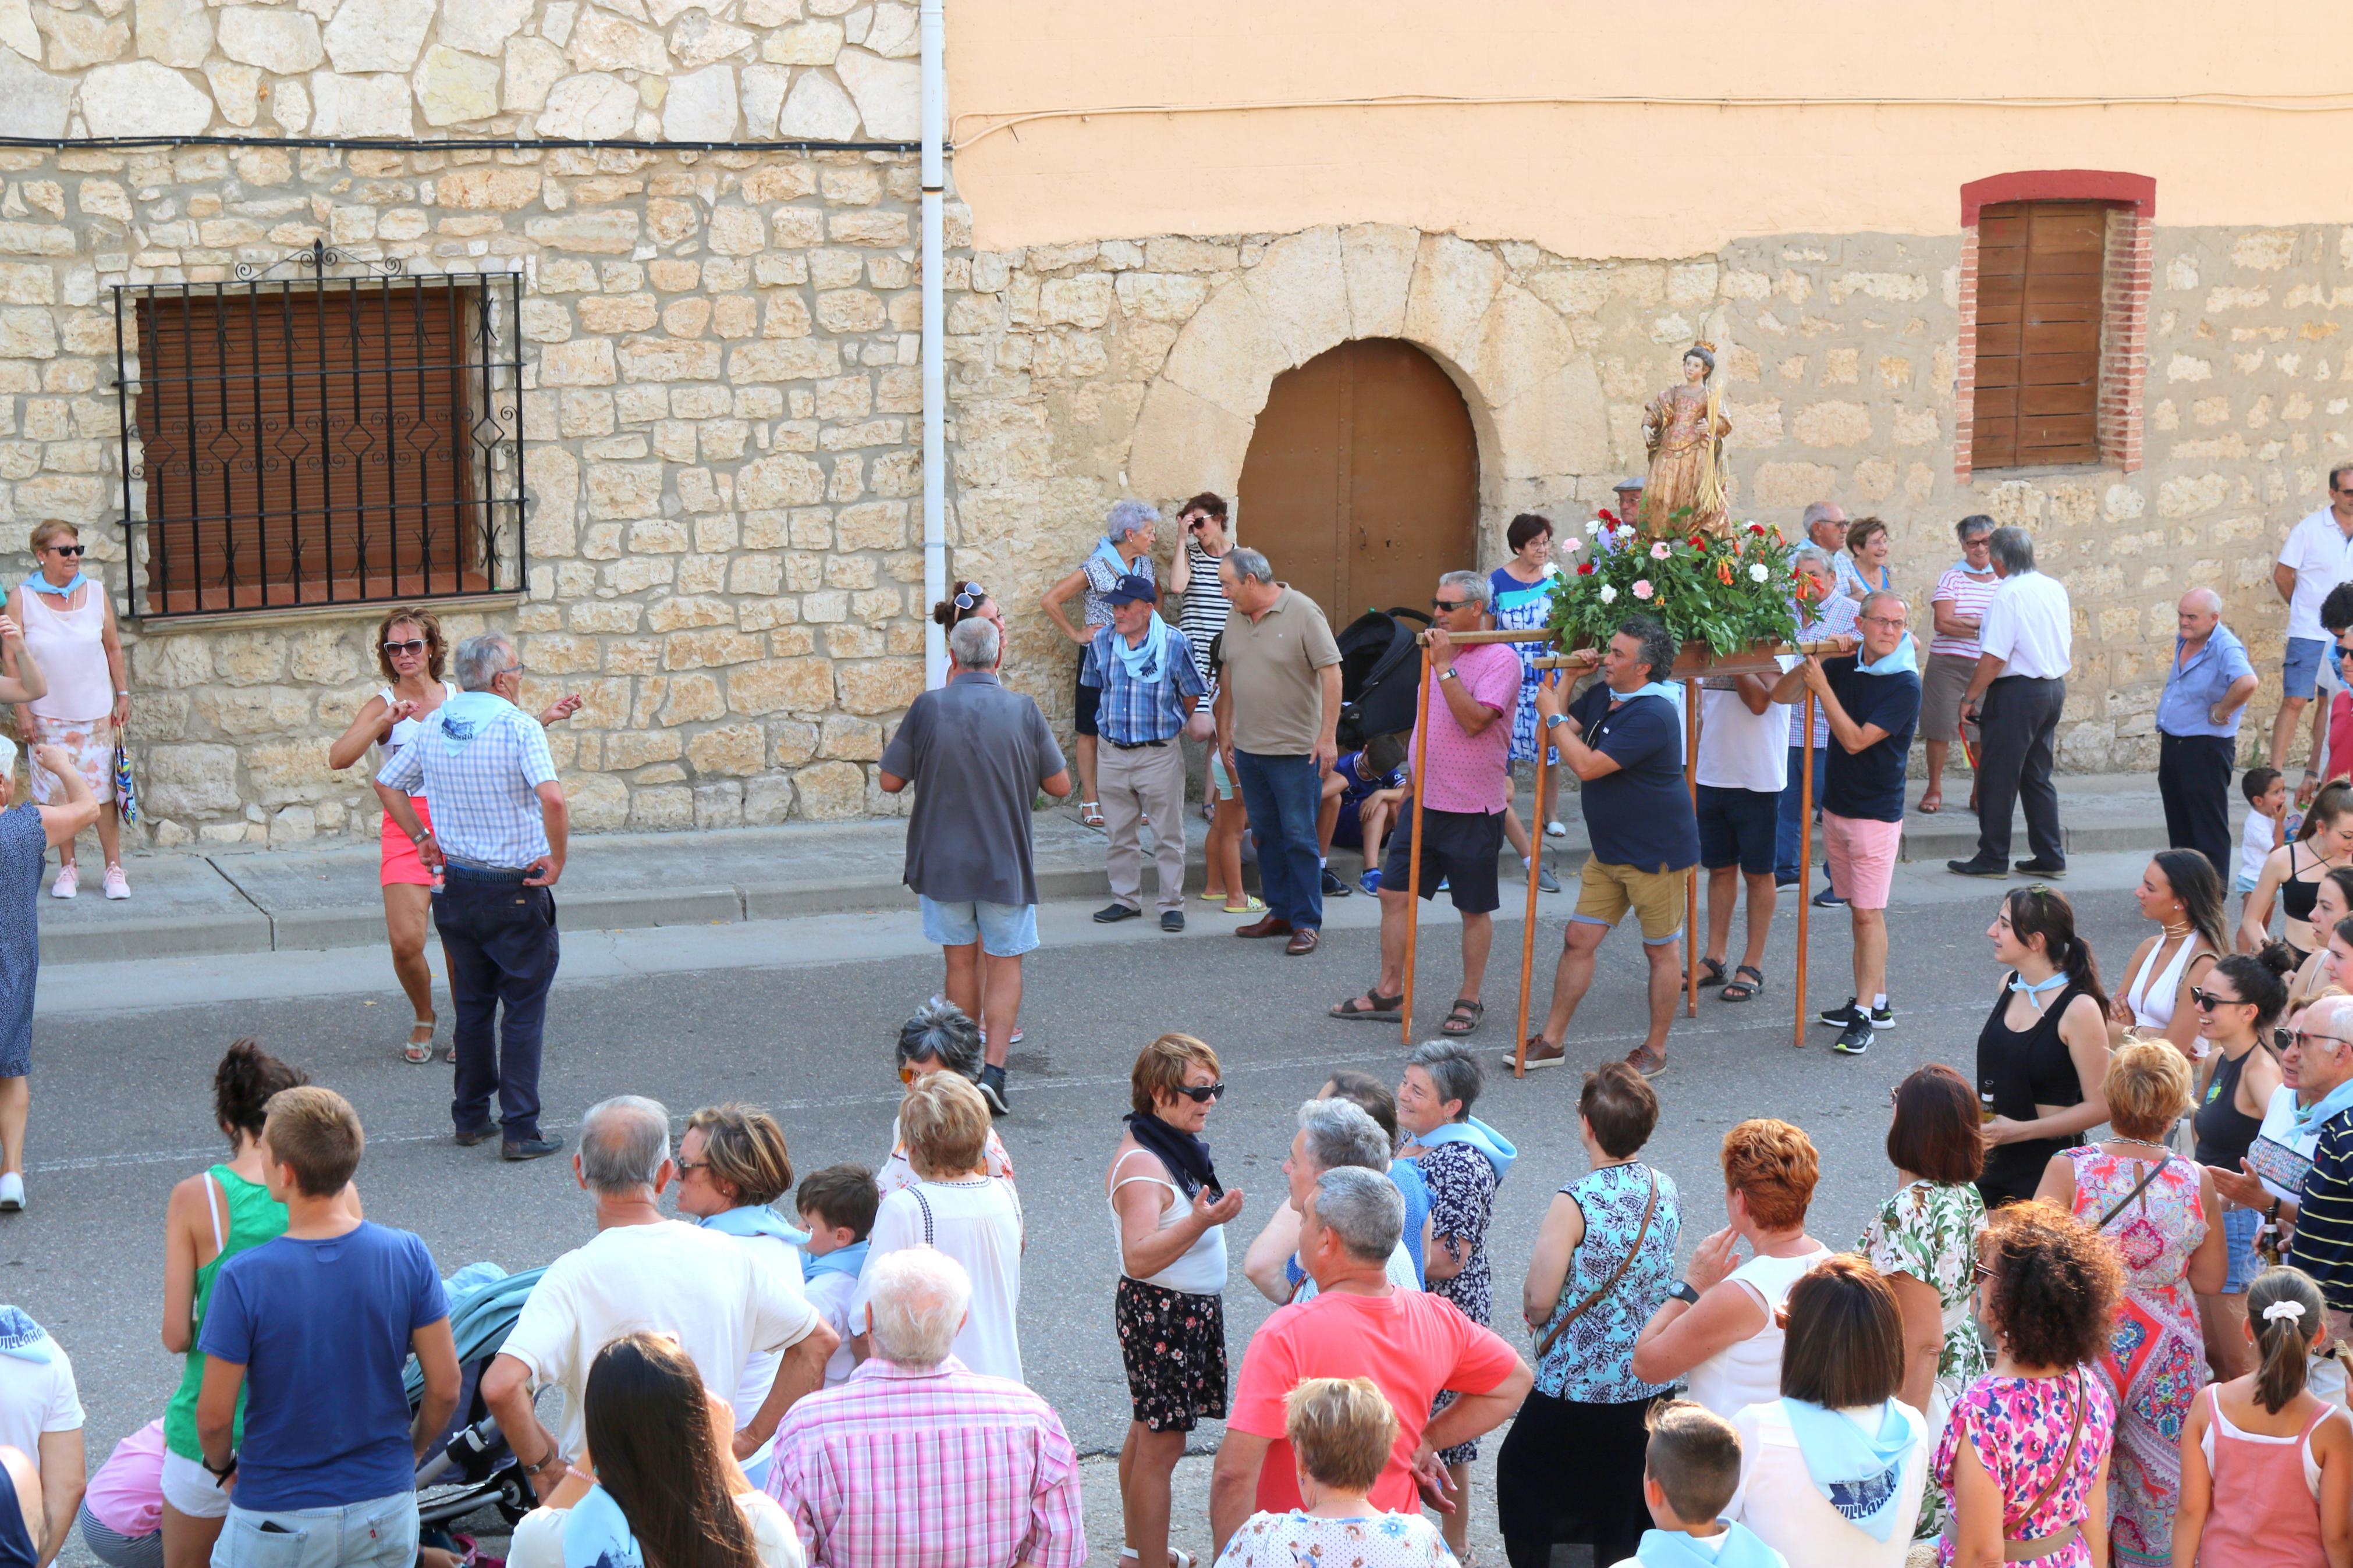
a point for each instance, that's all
(1411, 1342)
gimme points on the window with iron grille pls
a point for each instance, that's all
(320, 441)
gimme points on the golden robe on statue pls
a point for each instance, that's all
(1683, 429)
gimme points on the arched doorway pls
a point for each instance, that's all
(1361, 480)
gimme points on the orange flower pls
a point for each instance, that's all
(1723, 572)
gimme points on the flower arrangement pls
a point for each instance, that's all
(1730, 592)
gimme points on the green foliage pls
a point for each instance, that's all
(1729, 593)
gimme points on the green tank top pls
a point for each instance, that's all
(252, 1217)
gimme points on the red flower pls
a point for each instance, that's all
(1586, 570)
(1606, 515)
(1698, 542)
(1757, 529)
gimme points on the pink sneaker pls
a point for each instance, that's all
(68, 884)
(116, 884)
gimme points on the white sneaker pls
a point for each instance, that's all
(116, 884)
(68, 884)
(12, 1193)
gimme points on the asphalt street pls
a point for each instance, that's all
(799, 1016)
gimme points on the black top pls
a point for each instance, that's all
(2225, 1132)
(1639, 815)
(2296, 898)
(2023, 1070)
(1868, 785)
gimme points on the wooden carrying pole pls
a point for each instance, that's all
(1691, 878)
(1804, 865)
(1528, 927)
(1413, 844)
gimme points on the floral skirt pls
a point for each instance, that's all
(1175, 1348)
(89, 741)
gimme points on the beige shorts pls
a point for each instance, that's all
(91, 743)
(1942, 686)
(1606, 892)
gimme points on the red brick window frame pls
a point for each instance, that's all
(2130, 202)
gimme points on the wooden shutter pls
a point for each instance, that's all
(2038, 334)
(306, 445)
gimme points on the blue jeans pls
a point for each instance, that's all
(1786, 833)
(378, 1533)
(1282, 796)
(498, 940)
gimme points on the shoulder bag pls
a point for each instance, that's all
(1649, 1206)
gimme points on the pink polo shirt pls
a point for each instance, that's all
(1473, 773)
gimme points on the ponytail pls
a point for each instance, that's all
(2284, 1341)
(2036, 910)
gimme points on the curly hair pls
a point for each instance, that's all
(2056, 1283)
(1773, 1165)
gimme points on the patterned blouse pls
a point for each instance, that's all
(1930, 1232)
(1592, 1363)
(2020, 1429)
(1297, 1539)
(1461, 1199)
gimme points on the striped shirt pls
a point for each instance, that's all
(1839, 617)
(1206, 606)
(479, 777)
(1968, 593)
(2323, 1243)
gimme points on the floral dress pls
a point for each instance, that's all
(1523, 606)
(2155, 1361)
(2040, 1438)
(1297, 1539)
(1461, 1199)
(1929, 1231)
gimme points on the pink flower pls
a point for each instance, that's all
(1571, 546)
(1642, 588)
(1660, 551)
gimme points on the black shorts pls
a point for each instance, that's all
(1459, 848)
(1089, 698)
(1737, 824)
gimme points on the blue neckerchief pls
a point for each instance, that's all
(1965, 570)
(1111, 555)
(467, 715)
(1858, 1472)
(40, 584)
(2034, 992)
(1480, 1136)
(1741, 1548)
(1903, 661)
(849, 1260)
(1654, 689)
(2303, 1119)
(756, 1219)
(24, 1338)
(597, 1534)
(1146, 661)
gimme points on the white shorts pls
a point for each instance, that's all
(190, 1487)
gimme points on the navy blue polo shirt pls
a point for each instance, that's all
(1868, 783)
(1639, 815)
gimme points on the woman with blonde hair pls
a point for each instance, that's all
(2163, 1215)
(955, 1205)
(1340, 1430)
(77, 687)
(732, 1165)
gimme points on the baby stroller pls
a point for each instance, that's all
(1378, 661)
(469, 1467)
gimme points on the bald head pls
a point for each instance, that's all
(2198, 613)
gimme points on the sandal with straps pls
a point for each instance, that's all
(417, 1052)
(1741, 990)
(1464, 1017)
(1090, 813)
(1384, 1009)
(1711, 973)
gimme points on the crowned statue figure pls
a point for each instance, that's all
(1683, 429)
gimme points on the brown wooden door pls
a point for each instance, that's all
(1362, 481)
(2038, 349)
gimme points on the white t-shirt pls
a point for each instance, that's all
(759, 1369)
(1399, 1269)
(2027, 626)
(710, 1292)
(1740, 750)
(2321, 557)
(1777, 1499)
(977, 1222)
(832, 1294)
(2255, 846)
(37, 1396)
(538, 1539)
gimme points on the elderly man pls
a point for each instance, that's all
(497, 841)
(977, 755)
(2205, 689)
(1474, 691)
(1332, 1133)
(1413, 1344)
(1143, 668)
(720, 1300)
(1623, 739)
(2322, 1210)
(1277, 706)
(2025, 644)
(2318, 556)
(1871, 699)
(1822, 613)
(916, 1462)
(1124, 549)
(1825, 525)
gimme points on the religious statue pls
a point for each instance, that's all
(1684, 429)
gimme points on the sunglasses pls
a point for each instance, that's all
(2206, 1001)
(414, 645)
(2304, 1038)
(1979, 1271)
(2343, 653)
(68, 549)
(1447, 605)
(1203, 1093)
(969, 596)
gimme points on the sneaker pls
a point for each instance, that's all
(68, 884)
(1371, 880)
(1546, 881)
(1840, 1016)
(1881, 1017)
(12, 1193)
(1172, 920)
(2041, 869)
(1854, 1040)
(1111, 914)
(116, 884)
(1555, 828)
(1334, 888)
(992, 1090)
(1829, 899)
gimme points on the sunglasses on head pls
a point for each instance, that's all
(68, 549)
(969, 596)
(2206, 1001)
(1202, 1093)
(414, 645)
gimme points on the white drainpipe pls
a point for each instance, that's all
(934, 176)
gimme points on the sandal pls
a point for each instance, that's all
(1384, 1009)
(1090, 813)
(1711, 973)
(1464, 1017)
(1933, 802)
(1250, 906)
(417, 1052)
(1742, 990)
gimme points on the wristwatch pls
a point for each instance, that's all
(418, 838)
(224, 1471)
(1684, 1293)
(1555, 720)
(1447, 673)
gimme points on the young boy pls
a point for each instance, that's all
(1690, 1471)
(2266, 828)
(836, 1208)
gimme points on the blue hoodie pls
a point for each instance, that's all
(1498, 1149)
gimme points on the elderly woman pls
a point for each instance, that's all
(1863, 564)
(1958, 605)
(1831, 1472)
(1822, 613)
(1124, 549)
(1169, 1212)
(2159, 1209)
(956, 1206)
(938, 1038)
(732, 1165)
(2044, 1048)
(2182, 895)
(1720, 1328)
(2024, 1462)
(2237, 1008)
(1602, 1264)
(77, 693)
(28, 832)
(1341, 1431)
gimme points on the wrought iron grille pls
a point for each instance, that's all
(315, 441)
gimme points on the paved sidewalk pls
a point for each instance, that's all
(260, 901)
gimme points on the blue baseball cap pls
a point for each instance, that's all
(1134, 588)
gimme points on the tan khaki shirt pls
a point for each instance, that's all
(1273, 667)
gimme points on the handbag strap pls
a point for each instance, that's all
(2067, 1459)
(1649, 1206)
(2139, 1187)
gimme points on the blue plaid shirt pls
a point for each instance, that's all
(1135, 709)
(482, 790)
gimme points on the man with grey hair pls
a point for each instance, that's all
(2205, 691)
(1278, 710)
(1413, 1344)
(2026, 645)
(723, 1302)
(1825, 524)
(995, 1472)
(2317, 556)
(1465, 789)
(977, 755)
(1332, 1133)
(1123, 551)
(1142, 669)
(497, 837)
(1821, 613)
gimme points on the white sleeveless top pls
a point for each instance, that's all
(1749, 1371)
(68, 646)
(2152, 1006)
(406, 729)
(1200, 1268)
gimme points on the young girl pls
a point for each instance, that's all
(2292, 873)
(2265, 830)
(2267, 1467)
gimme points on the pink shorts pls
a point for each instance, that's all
(1862, 857)
(400, 861)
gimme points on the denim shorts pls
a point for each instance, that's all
(2300, 668)
(1003, 931)
(2239, 1228)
